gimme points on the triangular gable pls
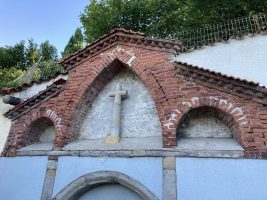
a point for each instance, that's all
(120, 36)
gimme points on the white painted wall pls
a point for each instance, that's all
(22, 177)
(138, 111)
(148, 171)
(221, 179)
(110, 192)
(246, 58)
(5, 123)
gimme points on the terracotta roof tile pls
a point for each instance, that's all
(120, 35)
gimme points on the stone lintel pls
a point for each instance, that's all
(137, 153)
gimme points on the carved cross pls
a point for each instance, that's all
(114, 135)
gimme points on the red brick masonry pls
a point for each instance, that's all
(176, 88)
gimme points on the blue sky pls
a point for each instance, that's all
(53, 20)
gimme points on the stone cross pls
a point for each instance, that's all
(114, 135)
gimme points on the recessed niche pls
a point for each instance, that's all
(41, 135)
(207, 128)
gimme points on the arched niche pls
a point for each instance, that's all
(208, 128)
(41, 135)
(92, 184)
(139, 123)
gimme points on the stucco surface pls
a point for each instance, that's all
(48, 135)
(138, 111)
(246, 58)
(22, 177)
(147, 171)
(5, 123)
(220, 179)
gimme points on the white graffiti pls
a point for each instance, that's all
(50, 113)
(173, 115)
(224, 104)
(120, 49)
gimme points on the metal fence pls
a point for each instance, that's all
(236, 28)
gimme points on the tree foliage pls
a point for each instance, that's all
(13, 56)
(22, 56)
(8, 76)
(47, 51)
(75, 43)
(161, 17)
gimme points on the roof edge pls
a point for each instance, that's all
(120, 35)
(236, 86)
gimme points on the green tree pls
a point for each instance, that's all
(47, 51)
(161, 17)
(32, 54)
(13, 56)
(74, 44)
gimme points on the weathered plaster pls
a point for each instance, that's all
(48, 135)
(204, 126)
(138, 111)
(246, 58)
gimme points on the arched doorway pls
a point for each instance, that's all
(105, 185)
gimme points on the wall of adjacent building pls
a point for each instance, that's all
(5, 123)
(245, 58)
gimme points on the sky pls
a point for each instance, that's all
(53, 20)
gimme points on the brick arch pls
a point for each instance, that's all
(100, 72)
(223, 107)
(18, 139)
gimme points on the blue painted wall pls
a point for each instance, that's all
(221, 179)
(148, 171)
(22, 177)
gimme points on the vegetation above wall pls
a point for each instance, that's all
(162, 18)
(12, 77)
